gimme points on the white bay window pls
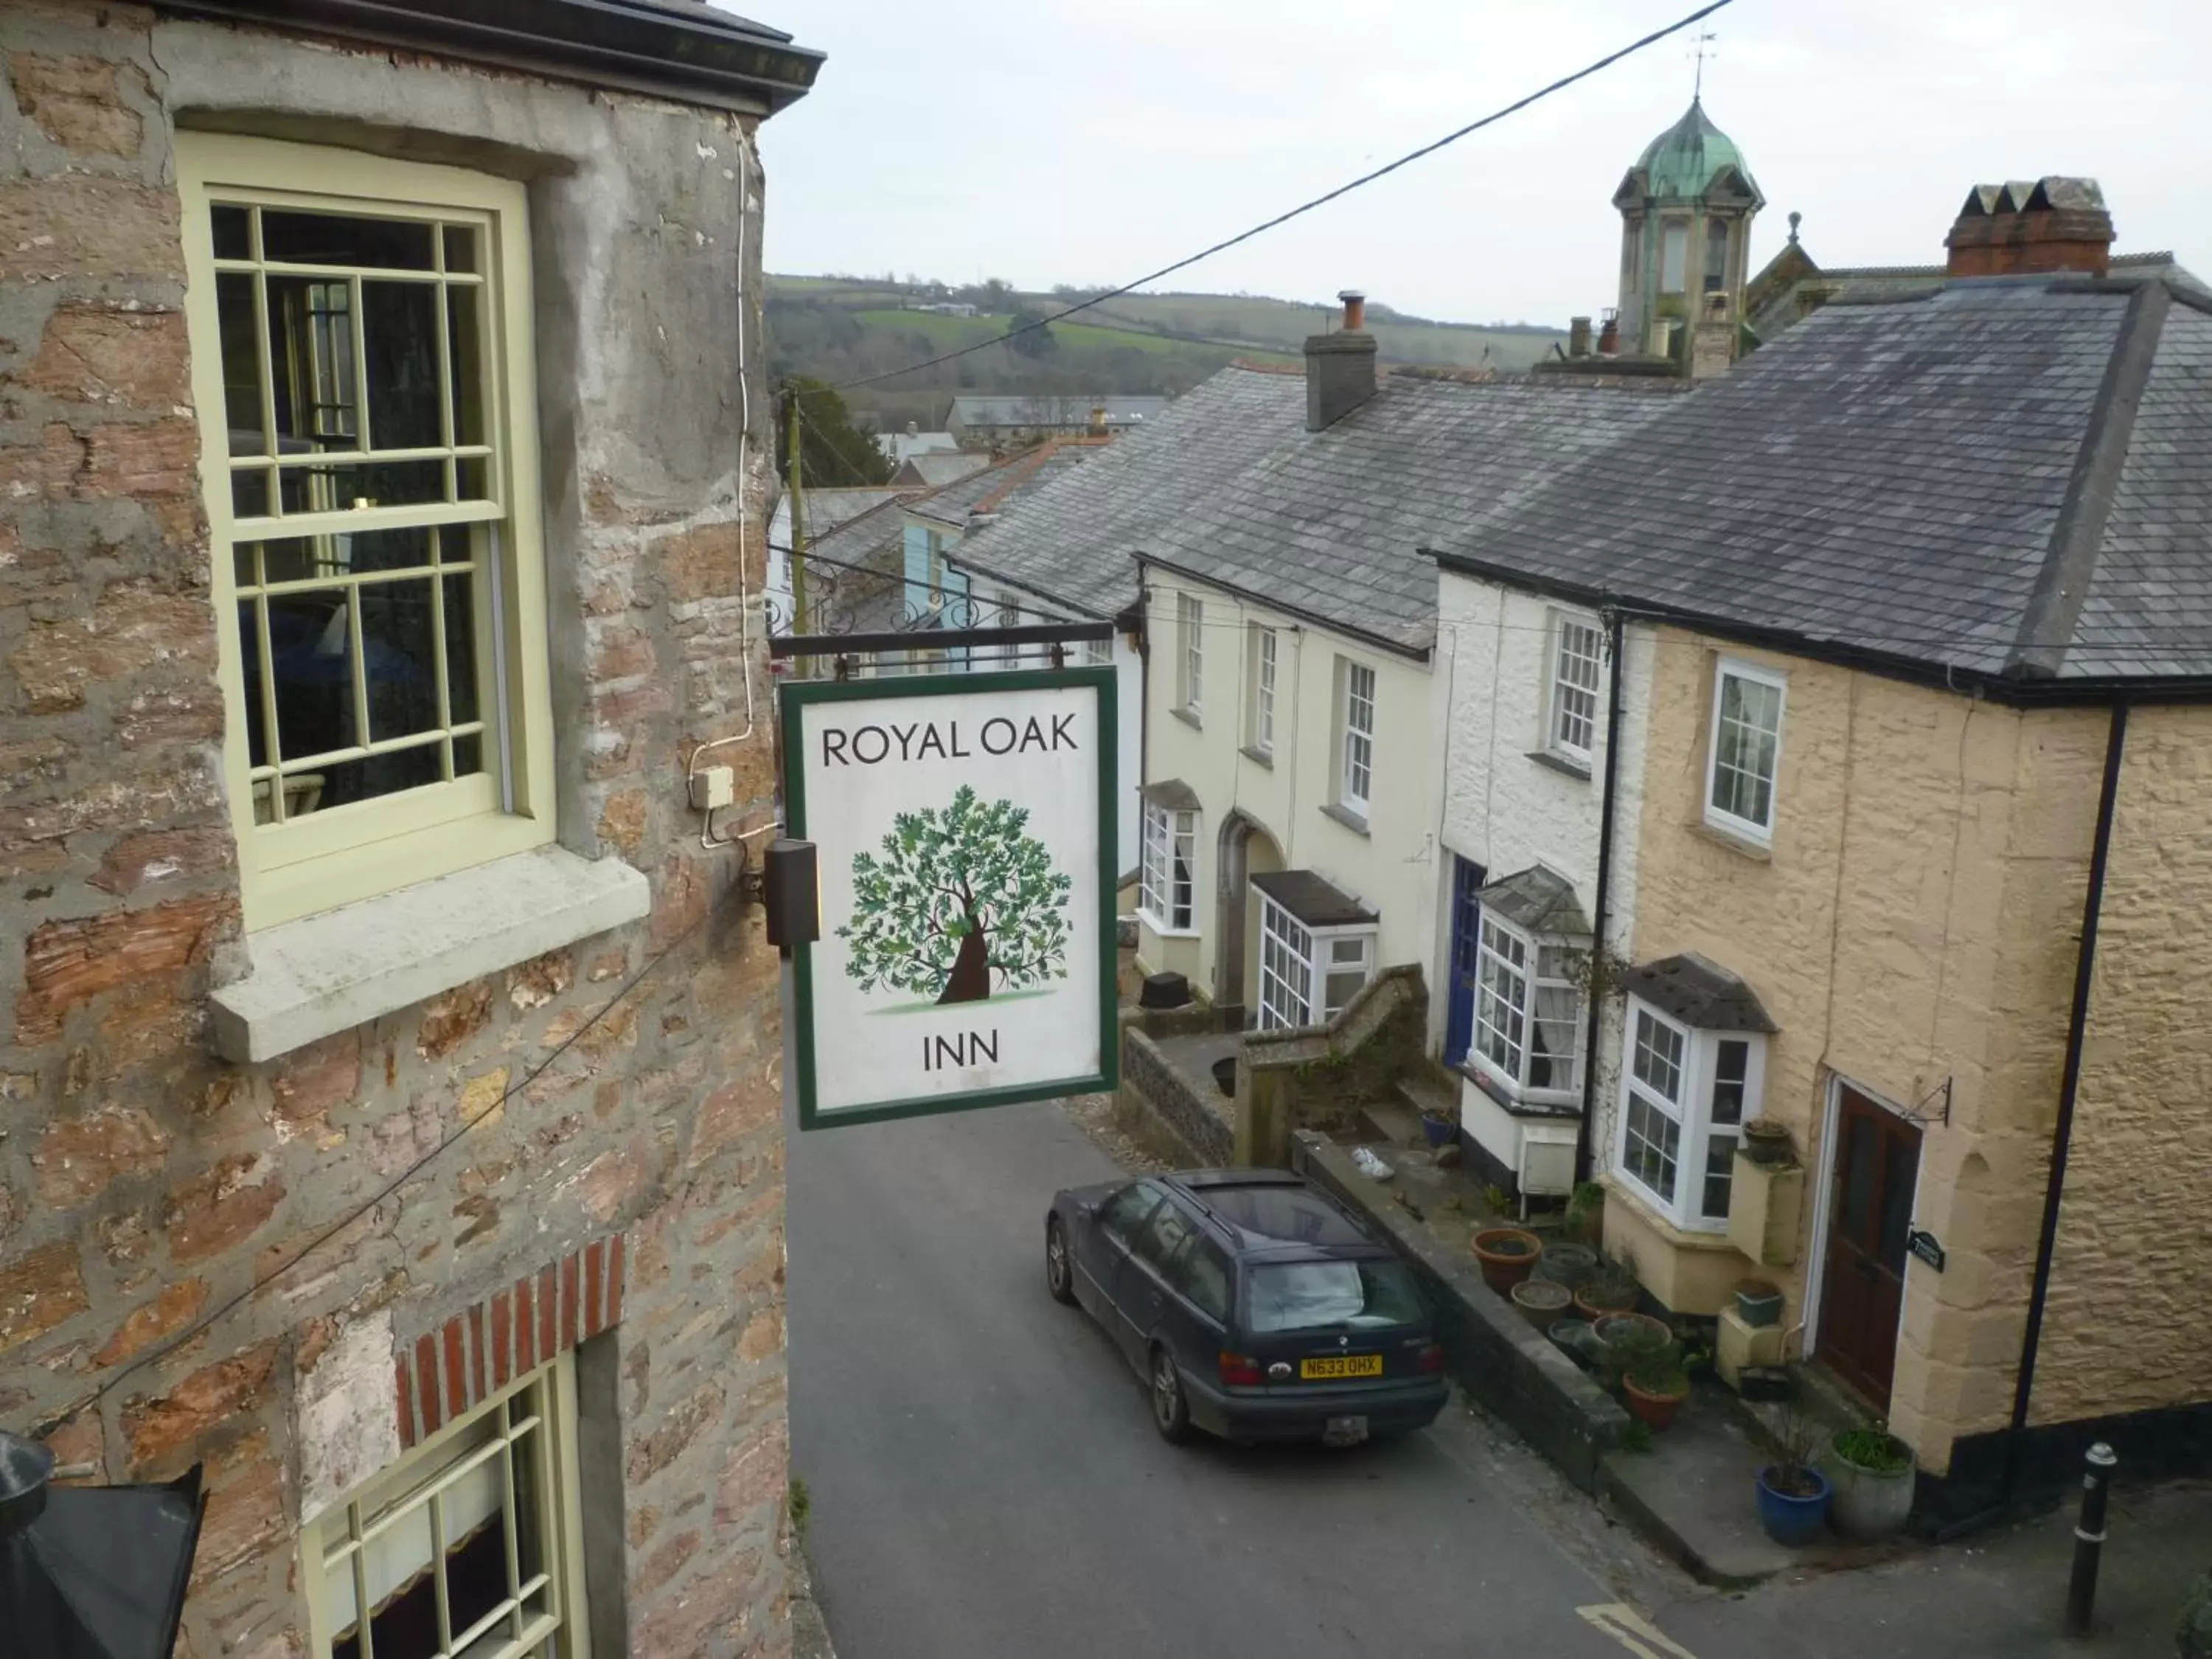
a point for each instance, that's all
(1308, 974)
(1685, 1094)
(1167, 874)
(1527, 1013)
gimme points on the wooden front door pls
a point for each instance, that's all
(1870, 1218)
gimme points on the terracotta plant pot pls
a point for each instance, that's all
(1594, 1302)
(1766, 1141)
(1541, 1302)
(1508, 1255)
(1654, 1411)
(1627, 1327)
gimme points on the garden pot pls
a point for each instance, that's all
(1766, 1141)
(1864, 1503)
(1441, 1130)
(1508, 1255)
(1593, 1303)
(1541, 1303)
(1225, 1074)
(1565, 1263)
(1759, 1303)
(1790, 1520)
(1654, 1411)
(1575, 1339)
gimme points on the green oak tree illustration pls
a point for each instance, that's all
(955, 897)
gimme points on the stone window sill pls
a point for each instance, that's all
(1260, 757)
(1344, 816)
(1559, 763)
(1189, 717)
(323, 974)
(1744, 846)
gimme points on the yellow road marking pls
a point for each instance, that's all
(1633, 1632)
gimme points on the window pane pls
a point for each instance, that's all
(1658, 1058)
(1652, 1141)
(311, 363)
(1203, 1276)
(400, 331)
(344, 782)
(1350, 950)
(339, 488)
(241, 363)
(468, 756)
(1574, 723)
(1161, 1240)
(1674, 255)
(311, 657)
(460, 248)
(249, 634)
(1731, 1064)
(249, 493)
(1744, 737)
(465, 346)
(397, 648)
(1307, 1295)
(233, 231)
(1554, 1055)
(331, 238)
(461, 650)
(1716, 255)
(1338, 989)
(1720, 1170)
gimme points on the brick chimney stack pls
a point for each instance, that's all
(2019, 229)
(1340, 368)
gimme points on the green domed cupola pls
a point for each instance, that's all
(1685, 208)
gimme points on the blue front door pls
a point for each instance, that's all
(1466, 933)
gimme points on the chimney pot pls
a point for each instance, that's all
(2021, 227)
(1355, 310)
(1578, 337)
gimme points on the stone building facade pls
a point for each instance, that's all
(332, 1196)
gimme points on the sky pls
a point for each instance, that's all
(1045, 143)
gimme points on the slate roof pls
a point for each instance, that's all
(1538, 900)
(1053, 408)
(1002, 484)
(1772, 306)
(864, 591)
(1922, 482)
(1071, 541)
(1314, 900)
(934, 469)
(1698, 992)
(1329, 525)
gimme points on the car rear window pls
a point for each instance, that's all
(1308, 1296)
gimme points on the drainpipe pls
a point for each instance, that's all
(2061, 1136)
(1615, 631)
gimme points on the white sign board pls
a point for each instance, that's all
(964, 833)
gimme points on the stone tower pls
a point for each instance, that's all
(1685, 210)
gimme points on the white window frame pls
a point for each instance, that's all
(317, 860)
(1498, 1045)
(1705, 1147)
(1571, 632)
(1168, 831)
(1355, 780)
(1724, 670)
(534, 1417)
(1265, 661)
(1296, 964)
(1098, 654)
(1190, 649)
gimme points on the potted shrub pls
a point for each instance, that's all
(1439, 1126)
(1766, 1141)
(1610, 1288)
(1508, 1255)
(1872, 1473)
(1540, 1301)
(1654, 1385)
(1585, 1217)
(1793, 1495)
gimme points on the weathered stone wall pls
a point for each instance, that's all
(2124, 1327)
(1912, 923)
(1150, 1084)
(1319, 1077)
(143, 1182)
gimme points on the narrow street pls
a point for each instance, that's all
(984, 1481)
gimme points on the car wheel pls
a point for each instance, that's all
(1059, 1269)
(1171, 1413)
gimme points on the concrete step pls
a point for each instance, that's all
(1425, 1094)
(1392, 1121)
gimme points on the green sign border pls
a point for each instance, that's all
(800, 694)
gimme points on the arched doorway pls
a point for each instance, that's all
(1246, 850)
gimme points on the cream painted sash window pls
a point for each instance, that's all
(468, 1546)
(1356, 737)
(362, 359)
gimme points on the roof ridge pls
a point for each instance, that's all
(2054, 605)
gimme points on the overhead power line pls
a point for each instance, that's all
(1365, 178)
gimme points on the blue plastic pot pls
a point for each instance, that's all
(1793, 1521)
(1441, 1130)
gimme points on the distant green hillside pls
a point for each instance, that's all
(843, 329)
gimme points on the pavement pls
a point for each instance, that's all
(985, 1483)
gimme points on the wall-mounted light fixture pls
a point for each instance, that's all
(791, 892)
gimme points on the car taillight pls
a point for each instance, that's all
(1239, 1370)
(1432, 1358)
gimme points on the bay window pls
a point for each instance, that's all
(1527, 1012)
(1167, 880)
(1309, 975)
(1686, 1093)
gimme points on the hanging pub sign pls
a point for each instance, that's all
(964, 835)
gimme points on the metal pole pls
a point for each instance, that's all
(2089, 1537)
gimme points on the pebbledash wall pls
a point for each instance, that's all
(628, 1204)
(1915, 921)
